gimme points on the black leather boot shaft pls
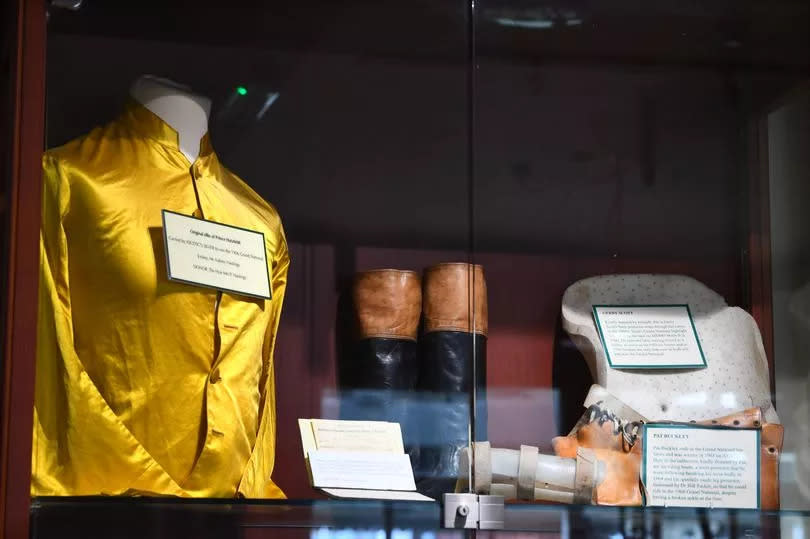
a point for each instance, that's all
(380, 379)
(449, 362)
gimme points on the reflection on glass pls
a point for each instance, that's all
(396, 533)
(788, 134)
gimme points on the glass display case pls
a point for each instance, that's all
(309, 267)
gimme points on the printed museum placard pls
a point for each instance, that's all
(213, 255)
(343, 435)
(361, 470)
(695, 466)
(358, 459)
(649, 336)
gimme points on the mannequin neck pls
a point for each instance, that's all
(185, 112)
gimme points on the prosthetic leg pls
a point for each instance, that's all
(599, 461)
(611, 430)
(736, 378)
(529, 475)
(736, 375)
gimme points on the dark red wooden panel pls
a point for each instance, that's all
(23, 258)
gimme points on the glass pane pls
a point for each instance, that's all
(624, 156)
(327, 519)
(788, 130)
(589, 235)
(312, 519)
(339, 131)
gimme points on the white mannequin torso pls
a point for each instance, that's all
(186, 112)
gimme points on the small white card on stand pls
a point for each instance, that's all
(358, 459)
(361, 470)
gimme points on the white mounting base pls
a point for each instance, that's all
(473, 511)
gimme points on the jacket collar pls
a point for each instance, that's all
(147, 124)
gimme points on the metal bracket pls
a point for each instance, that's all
(473, 511)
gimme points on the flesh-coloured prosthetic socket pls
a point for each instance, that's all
(612, 431)
(736, 375)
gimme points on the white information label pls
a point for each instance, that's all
(687, 466)
(214, 255)
(360, 494)
(361, 470)
(375, 436)
(649, 336)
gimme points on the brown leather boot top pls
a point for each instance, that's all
(387, 303)
(447, 302)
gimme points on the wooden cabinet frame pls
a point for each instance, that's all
(18, 299)
(26, 127)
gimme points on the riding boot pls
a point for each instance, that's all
(378, 374)
(452, 350)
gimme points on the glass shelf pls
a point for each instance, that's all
(151, 517)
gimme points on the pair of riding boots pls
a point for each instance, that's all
(419, 349)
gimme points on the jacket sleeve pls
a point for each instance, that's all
(79, 446)
(256, 481)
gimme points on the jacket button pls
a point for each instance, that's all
(197, 213)
(215, 376)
